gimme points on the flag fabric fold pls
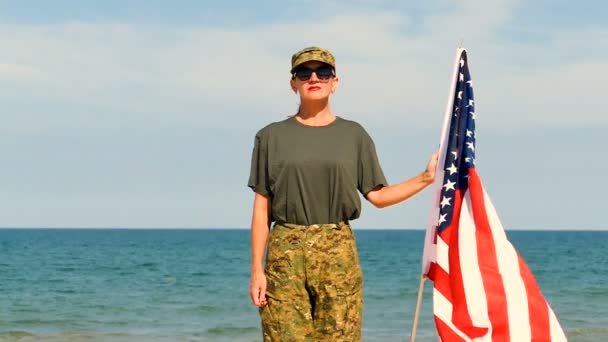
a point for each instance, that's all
(482, 288)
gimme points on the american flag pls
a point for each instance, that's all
(482, 288)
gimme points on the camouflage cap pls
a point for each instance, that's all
(312, 53)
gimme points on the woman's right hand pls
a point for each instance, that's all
(257, 291)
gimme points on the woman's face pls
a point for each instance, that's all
(316, 87)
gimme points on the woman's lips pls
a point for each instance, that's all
(314, 88)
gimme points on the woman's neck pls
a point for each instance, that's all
(315, 114)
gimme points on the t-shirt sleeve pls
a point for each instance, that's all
(258, 176)
(370, 173)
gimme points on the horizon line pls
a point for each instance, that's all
(241, 228)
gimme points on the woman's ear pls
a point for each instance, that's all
(335, 84)
(292, 84)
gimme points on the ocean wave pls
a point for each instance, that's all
(588, 332)
(169, 280)
(204, 309)
(38, 321)
(56, 280)
(24, 336)
(595, 291)
(231, 330)
(68, 291)
(15, 334)
(66, 269)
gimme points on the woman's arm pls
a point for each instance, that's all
(389, 195)
(260, 225)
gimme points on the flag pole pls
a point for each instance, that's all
(437, 190)
(418, 305)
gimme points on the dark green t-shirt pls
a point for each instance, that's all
(312, 173)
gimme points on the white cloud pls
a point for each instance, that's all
(17, 72)
(147, 72)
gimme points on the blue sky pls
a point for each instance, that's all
(142, 113)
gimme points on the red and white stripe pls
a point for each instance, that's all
(483, 290)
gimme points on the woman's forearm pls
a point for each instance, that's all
(259, 235)
(390, 195)
(259, 232)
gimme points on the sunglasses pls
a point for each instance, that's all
(324, 73)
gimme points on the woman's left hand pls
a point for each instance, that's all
(429, 174)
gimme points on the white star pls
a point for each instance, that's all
(460, 95)
(461, 77)
(473, 115)
(471, 103)
(471, 146)
(445, 201)
(467, 159)
(470, 82)
(469, 133)
(461, 62)
(442, 218)
(449, 185)
(452, 169)
(455, 154)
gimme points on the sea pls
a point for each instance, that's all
(192, 285)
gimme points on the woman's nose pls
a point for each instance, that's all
(313, 77)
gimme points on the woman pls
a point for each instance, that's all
(305, 172)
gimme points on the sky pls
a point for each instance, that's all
(141, 114)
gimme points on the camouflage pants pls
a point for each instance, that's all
(314, 286)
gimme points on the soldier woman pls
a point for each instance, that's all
(306, 171)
